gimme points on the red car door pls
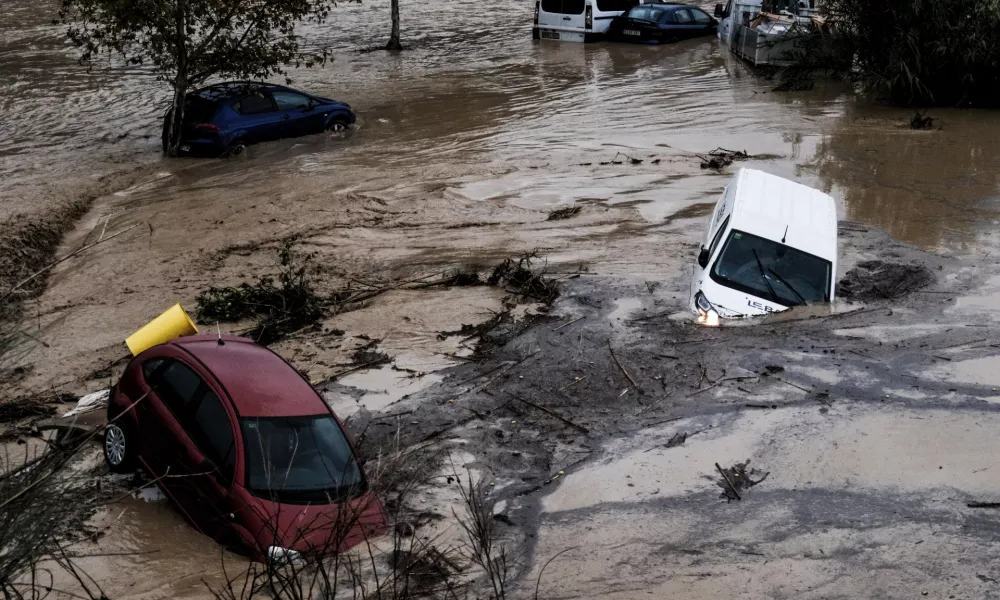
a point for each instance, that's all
(171, 427)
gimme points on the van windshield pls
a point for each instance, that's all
(299, 460)
(772, 270)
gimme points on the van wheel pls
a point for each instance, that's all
(119, 447)
(338, 125)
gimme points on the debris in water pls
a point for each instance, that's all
(564, 213)
(279, 309)
(737, 478)
(88, 403)
(880, 280)
(614, 160)
(919, 121)
(983, 504)
(519, 278)
(721, 157)
(678, 439)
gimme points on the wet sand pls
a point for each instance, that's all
(465, 144)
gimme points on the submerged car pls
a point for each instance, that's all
(223, 119)
(243, 445)
(771, 244)
(659, 23)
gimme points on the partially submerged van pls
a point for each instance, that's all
(771, 244)
(576, 20)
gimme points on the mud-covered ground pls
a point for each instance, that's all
(873, 423)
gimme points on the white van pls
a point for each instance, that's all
(576, 20)
(733, 14)
(771, 244)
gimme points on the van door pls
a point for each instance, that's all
(562, 19)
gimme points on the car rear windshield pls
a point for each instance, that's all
(772, 270)
(299, 460)
(199, 110)
(646, 13)
(565, 7)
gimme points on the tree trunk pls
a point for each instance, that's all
(394, 38)
(176, 121)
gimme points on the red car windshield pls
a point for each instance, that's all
(300, 460)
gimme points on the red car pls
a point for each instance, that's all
(243, 445)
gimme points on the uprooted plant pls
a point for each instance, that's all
(522, 281)
(482, 546)
(278, 308)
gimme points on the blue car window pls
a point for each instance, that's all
(683, 17)
(254, 105)
(639, 12)
(700, 17)
(288, 100)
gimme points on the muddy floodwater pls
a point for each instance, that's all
(466, 141)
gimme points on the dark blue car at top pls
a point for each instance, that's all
(661, 22)
(223, 119)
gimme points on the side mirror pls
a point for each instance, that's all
(703, 257)
(719, 10)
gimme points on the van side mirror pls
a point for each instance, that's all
(703, 257)
(719, 11)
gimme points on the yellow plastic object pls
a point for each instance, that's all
(173, 323)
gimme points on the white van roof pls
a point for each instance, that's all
(765, 205)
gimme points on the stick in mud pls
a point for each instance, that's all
(617, 362)
(728, 481)
(554, 414)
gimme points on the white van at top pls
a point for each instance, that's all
(576, 20)
(771, 244)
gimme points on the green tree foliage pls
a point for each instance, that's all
(186, 42)
(921, 52)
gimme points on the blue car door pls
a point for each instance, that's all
(684, 24)
(258, 117)
(299, 115)
(705, 24)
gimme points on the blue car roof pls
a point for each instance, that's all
(232, 89)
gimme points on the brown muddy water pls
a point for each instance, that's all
(465, 142)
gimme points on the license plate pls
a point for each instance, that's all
(185, 148)
(631, 32)
(550, 35)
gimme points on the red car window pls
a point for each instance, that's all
(210, 428)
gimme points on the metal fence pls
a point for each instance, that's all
(762, 49)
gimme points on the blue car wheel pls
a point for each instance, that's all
(338, 124)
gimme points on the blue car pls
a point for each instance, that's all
(223, 119)
(659, 23)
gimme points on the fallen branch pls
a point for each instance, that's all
(575, 381)
(728, 481)
(554, 414)
(570, 323)
(370, 363)
(617, 362)
(983, 504)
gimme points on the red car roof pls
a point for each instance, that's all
(259, 381)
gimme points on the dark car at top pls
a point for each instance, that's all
(223, 119)
(244, 446)
(659, 23)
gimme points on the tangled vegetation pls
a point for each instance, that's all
(278, 307)
(917, 52)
